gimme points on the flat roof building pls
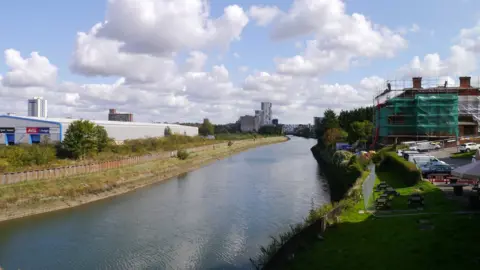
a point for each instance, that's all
(24, 129)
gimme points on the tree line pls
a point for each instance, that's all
(349, 126)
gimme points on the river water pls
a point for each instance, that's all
(213, 218)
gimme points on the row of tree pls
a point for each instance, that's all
(351, 126)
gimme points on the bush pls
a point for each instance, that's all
(182, 154)
(230, 143)
(340, 156)
(393, 163)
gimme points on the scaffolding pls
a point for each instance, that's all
(425, 108)
(420, 116)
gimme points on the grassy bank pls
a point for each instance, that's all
(442, 239)
(35, 197)
(35, 157)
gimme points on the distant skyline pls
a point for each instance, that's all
(182, 61)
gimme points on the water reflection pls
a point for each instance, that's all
(215, 217)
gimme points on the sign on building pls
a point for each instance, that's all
(7, 130)
(38, 130)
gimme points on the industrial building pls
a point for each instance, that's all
(31, 130)
(431, 111)
(37, 107)
(124, 117)
(262, 117)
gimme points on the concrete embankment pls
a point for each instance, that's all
(35, 197)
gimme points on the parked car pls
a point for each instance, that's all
(406, 154)
(435, 168)
(425, 146)
(421, 160)
(467, 147)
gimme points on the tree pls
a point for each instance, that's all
(360, 131)
(81, 138)
(271, 130)
(332, 136)
(102, 139)
(167, 132)
(329, 121)
(206, 128)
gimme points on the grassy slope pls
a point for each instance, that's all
(362, 241)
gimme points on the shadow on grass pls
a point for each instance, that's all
(450, 242)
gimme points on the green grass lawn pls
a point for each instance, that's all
(466, 155)
(363, 241)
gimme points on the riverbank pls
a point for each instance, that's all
(35, 197)
(436, 237)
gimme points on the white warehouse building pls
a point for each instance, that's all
(28, 130)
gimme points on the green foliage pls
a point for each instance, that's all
(466, 155)
(26, 155)
(332, 136)
(360, 131)
(304, 131)
(206, 128)
(346, 118)
(182, 154)
(329, 121)
(340, 156)
(391, 162)
(227, 128)
(102, 139)
(81, 139)
(235, 136)
(168, 131)
(271, 130)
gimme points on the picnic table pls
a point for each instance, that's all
(382, 203)
(382, 186)
(415, 199)
(391, 191)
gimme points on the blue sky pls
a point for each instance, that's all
(50, 28)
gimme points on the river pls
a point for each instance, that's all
(213, 218)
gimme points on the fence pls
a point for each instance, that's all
(367, 186)
(59, 172)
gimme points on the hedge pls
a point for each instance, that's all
(391, 162)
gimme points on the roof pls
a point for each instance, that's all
(99, 122)
(467, 123)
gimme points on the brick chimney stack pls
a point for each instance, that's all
(417, 82)
(465, 82)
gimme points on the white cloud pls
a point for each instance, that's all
(340, 38)
(160, 27)
(264, 14)
(196, 61)
(28, 72)
(236, 55)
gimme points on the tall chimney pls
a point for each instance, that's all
(417, 82)
(465, 82)
(113, 111)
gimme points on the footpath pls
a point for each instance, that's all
(30, 197)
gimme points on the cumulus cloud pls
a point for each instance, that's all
(161, 27)
(461, 61)
(36, 71)
(340, 38)
(264, 14)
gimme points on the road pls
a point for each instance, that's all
(444, 155)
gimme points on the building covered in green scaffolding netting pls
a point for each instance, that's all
(422, 116)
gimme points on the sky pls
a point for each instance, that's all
(185, 60)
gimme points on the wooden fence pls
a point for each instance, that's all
(59, 172)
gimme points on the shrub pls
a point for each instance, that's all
(3, 165)
(182, 154)
(395, 164)
(40, 155)
(230, 143)
(340, 156)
